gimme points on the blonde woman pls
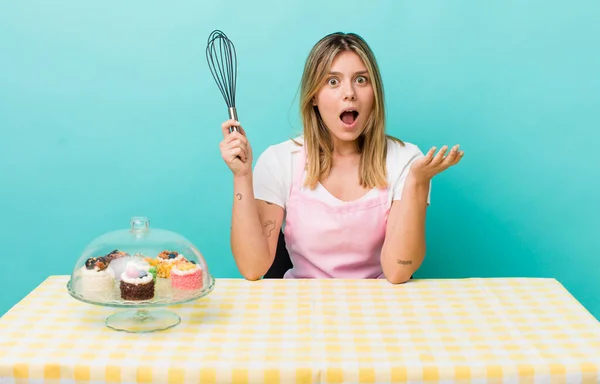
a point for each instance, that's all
(352, 200)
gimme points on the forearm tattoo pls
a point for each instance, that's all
(239, 196)
(268, 227)
(404, 262)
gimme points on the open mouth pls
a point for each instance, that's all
(349, 116)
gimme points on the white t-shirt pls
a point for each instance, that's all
(273, 172)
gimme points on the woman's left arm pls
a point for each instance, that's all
(404, 246)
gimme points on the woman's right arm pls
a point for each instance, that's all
(255, 224)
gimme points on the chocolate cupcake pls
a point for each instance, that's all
(136, 283)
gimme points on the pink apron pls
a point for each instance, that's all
(334, 241)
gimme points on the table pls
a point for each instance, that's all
(307, 331)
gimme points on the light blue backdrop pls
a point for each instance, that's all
(108, 110)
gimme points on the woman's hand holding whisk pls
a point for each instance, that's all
(235, 149)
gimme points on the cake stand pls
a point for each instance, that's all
(146, 315)
(157, 251)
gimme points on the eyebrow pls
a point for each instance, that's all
(363, 72)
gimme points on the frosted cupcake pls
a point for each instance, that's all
(166, 261)
(186, 276)
(136, 283)
(116, 254)
(96, 279)
(117, 260)
(142, 262)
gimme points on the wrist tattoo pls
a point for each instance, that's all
(404, 262)
(239, 196)
(268, 227)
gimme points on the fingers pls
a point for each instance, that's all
(235, 145)
(449, 160)
(231, 123)
(241, 129)
(429, 156)
(454, 156)
(451, 157)
(437, 160)
(233, 154)
(236, 136)
(443, 160)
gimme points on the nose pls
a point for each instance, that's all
(349, 93)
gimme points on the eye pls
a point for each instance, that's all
(332, 81)
(361, 80)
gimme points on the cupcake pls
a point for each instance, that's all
(116, 254)
(142, 262)
(137, 283)
(166, 261)
(117, 261)
(96, 279)
(186, 276)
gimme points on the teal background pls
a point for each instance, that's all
(108, 110)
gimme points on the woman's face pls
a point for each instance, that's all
(345, 101)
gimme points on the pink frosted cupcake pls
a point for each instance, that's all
(186, 276)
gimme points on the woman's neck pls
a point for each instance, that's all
(345, 148)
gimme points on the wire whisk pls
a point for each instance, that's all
(222, 61)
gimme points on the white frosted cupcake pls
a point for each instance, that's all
(94, 282)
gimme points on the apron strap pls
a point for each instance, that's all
(299, 166)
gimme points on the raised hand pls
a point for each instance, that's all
(428, 166)
(235, 149)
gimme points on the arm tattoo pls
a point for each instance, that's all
(404, 262)
(239, 196)
(268, 227)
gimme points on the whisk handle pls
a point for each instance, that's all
(233, 115)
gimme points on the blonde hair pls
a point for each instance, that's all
(372, 143)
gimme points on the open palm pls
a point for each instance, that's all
(428, 166)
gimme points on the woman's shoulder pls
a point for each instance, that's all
(400, 155)
(397, 148)
(291, 145)
(284, 149)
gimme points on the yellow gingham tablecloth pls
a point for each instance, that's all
(314, 331)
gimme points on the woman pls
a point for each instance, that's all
(352, 200)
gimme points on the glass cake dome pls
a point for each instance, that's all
(140, 267)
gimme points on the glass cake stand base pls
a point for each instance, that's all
(142, 320)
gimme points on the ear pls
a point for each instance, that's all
(314, 101)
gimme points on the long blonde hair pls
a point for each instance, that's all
(372, 143)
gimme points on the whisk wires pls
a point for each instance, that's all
(222, 61)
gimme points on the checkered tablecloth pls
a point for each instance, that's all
(314, 331)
